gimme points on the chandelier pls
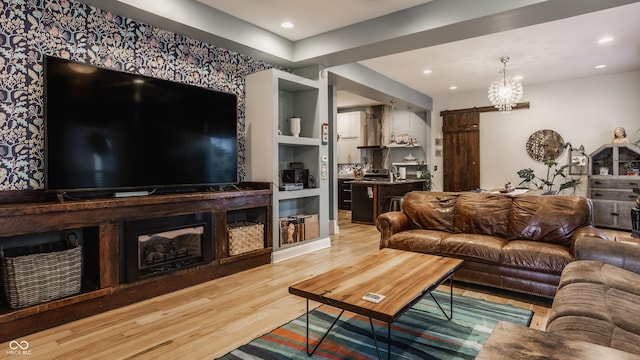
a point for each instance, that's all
(505, 93)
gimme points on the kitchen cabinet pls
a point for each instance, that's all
(371, 198)
(362, 209)
(272, 97)
(349, 125)
(344, 194)
(612, 195)
(347, 151)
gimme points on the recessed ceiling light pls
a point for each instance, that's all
(287, 25)
(427, 71)
(602, 66)
(605, 39)
(518, 77)
(453, 87)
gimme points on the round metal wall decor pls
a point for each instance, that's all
(545, 145)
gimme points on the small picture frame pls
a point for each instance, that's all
(325, 134)
(581, 168)
(438, 141)
(438, 152)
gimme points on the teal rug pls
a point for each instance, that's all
(421, 333)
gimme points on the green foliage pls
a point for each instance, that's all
(629, 166)
(426, 174)
(604, 162)
(553, 172)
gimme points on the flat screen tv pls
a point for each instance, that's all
(109, 130)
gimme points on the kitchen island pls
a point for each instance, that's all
(371, 197)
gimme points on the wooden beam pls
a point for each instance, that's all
(519, 106)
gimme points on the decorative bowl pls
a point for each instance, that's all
(410, 157)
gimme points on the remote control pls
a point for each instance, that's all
(373, 297)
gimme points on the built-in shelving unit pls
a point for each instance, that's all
(272, 97)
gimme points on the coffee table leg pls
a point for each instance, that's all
(323, 336)
(450, 316)
(375, 339)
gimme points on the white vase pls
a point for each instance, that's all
(294, 126)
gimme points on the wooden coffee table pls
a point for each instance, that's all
(403, 277)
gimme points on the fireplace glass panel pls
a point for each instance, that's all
(159, 245)
(169, 247)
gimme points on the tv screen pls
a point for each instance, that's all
(111, 130)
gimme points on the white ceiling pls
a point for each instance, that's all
(551, 47)
(557, 50)
(309, 17)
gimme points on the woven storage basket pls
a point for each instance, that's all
(245, 237)
(37, 278)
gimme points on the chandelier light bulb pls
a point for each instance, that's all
(505, 93)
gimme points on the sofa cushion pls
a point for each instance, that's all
(430, 210)
(535, 255)
(597, 272)
(481, 248)
(551, 219)
(418, 240)
(596, 331)
(480, 213)
(597, 313)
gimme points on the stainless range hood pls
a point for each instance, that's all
(372, 129)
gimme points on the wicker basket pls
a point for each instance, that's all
(245, 237)
(37, 278)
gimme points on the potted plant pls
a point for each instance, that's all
(604, 164)
(422, 170)
(629, 168)
(553, 172)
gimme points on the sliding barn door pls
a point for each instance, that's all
(461, 150)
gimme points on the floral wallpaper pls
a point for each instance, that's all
(30, 29)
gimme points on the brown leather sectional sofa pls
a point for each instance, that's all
(520, 243)
(599, 296)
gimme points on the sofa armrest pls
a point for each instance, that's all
(586, 231)
(390, 223)
(625, 256)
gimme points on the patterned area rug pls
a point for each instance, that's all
(423, 332)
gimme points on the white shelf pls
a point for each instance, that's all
(413, 163)
(297, 194)
(292, 140)
(402, 145)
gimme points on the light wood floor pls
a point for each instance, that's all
(210, 319)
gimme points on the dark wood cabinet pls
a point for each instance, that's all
(102, 222)
(344, 194)
(372, 198)
(362, 206)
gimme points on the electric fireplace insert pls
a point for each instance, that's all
(160, 245)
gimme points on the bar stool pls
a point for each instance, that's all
(635, 222)
(395, 203)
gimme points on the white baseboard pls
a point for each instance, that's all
(291, 252)
(333, 227)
